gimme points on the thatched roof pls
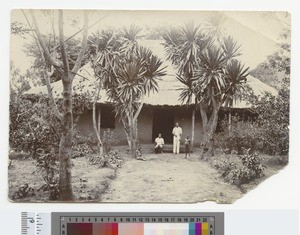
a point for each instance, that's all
(169, 86)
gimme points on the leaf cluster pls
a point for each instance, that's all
(125, 69)
(208, 68)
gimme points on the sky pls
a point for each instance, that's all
(256, 31)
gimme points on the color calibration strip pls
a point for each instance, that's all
(137, 229)
(140, 223)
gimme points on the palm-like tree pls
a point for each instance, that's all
(215, 26)
(136, 78)
(103, 47)
(183, 47)
(219, 77)
(236, 76)
(209, 70)
(128, 72)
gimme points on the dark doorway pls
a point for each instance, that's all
(163, 122)
(107, 117)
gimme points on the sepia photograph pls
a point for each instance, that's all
(146, 106)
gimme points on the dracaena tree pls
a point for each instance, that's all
(208, 69)
(102, 52)
(128, 72)
(182, 46)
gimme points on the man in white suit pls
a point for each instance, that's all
(177, 132)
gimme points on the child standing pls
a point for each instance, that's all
(187, 143)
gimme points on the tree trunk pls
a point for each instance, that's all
(65, 150)
(65, 146)
(99, 121)
(136, 138)
(204, 123)
(229, 120)
(96, 131)
(50, 94)
(136, 131)
(211, 132)
(126, 129)
(193, 129)
(102, 149)
(131, 129)
(209, 128)
(132, 136)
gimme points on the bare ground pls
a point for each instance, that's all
(162, 178)
(169, 178)
(88, 181)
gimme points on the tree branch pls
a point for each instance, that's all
(59, 68)
(47, 77)
(45, 51)
(79, 31)
(62, 42)
(53, 29)
(50, 95)
(83, 44)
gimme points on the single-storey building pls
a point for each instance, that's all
(160, 111)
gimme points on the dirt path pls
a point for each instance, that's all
(169, 178)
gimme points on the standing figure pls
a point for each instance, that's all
(159, 144)
(187, 143)
(177, 132)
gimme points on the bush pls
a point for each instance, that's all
(113, 159)
(95, 159)
(225, 166)
(251, 169)
(47, 165)
(109, 140)
(274, 120)
(23, 192)
(110, 158)
(269, 133)
(33, 126)
(83, 145)
(241, 135)
(246, 168)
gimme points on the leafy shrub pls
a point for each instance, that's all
(81, 150)
(225, 166)
(86, 145)
(282, 160)
(32, 126)
(274, 120)
(113, 159)
(241, 135)
(95, 159)
(109, 140)
(23, 192)
(47, 165)
(83, 145)
(269, 133)
(251, 169)
(274, 111)
(246, 168)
